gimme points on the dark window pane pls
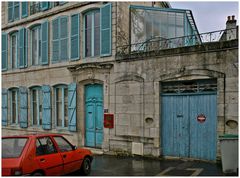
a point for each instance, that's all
(96, 41)
(63, 144)
(97, 19)
(46, 145)
(59, 106)
(13, 147)
(88, 42)
(88, 21)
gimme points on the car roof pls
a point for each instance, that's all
(30, 135)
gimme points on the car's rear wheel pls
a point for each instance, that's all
(86, 166)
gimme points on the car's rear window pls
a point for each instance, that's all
(13, 147)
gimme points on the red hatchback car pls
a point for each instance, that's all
(43, 155)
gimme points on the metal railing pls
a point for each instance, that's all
(154, 45)
(34, 8)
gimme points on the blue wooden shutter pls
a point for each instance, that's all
(64, 38)
(75, 37)
(44, 51)
(46, 107)
(22, 48)
(4, 106)
(55, 41)
(10, 11)
(106, 30)
(23, 107)
(4, 51)
(44, 6)
(16, 10)
(72, 103)
(24, 9)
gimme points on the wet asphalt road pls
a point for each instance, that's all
(106, 165)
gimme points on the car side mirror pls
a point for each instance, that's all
(74, 147)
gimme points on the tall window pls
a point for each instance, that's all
(60, 39)
(92, 33)
(14, 51)
(36, 45)
(61, 99)
(36, 103)
(13, 11)
(15, 106)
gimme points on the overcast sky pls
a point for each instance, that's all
(209, 16)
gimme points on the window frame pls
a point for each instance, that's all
(65, 141)
(60, 38)
(61, 87)
(92, 14)
(39, 105)
(15, 34)
(40, 143)
(39, 46)
(17, 105)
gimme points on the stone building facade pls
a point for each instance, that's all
(69, 90)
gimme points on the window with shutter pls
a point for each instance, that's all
(44, 51)
(36, 106)
(72, 103)
(92, 33)
(4, 106)
(55, 40)
(23, 107)
(75, 37)
(36, 44)
(46, 107)
(60, 39)
(106, 30)
(16, 11)
(13, 50)
(61, 106)
(24, 9)
(22, 48)
(10, 11)
(4, 51)
(15, 103)
(63, 38)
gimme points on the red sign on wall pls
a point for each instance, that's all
(108, 121)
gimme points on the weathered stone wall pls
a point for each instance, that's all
(135, 90)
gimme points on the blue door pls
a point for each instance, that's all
(94, 115)
(175, 127)
(183, 135)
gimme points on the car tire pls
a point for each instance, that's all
(37, 174)
(86, 166)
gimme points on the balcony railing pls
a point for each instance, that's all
(34, 8)
(154, 45)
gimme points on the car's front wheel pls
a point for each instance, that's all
(86, 166)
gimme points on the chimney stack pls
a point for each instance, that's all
(231, 28)
(231, 22)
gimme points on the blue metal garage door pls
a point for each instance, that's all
(189, 119)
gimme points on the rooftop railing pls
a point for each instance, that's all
(154, 45)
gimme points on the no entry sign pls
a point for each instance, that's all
(201, 118)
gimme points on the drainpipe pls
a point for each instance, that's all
(224, 103)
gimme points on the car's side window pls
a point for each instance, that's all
(63, 144)
(44, 145)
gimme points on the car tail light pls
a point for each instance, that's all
(16, 171)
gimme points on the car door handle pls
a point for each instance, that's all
(42, 160)
(64, 156)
